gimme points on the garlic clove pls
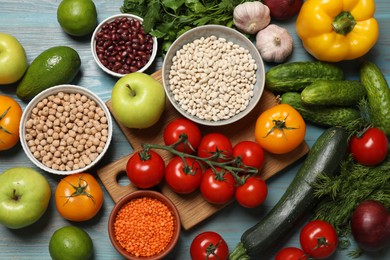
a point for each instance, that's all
(251, 17)
(274, 43)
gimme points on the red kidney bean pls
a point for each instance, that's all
(123, 46)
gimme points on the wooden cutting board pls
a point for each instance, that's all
(193, 208)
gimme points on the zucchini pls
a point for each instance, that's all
(378, 95)
(322, 115)
(325, 157)
(295, 76)
(333, 93)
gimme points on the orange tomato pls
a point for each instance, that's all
(280, 129)
(10, 115)
(78, 197)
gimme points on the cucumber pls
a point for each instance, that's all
(325, 156)
(327, 116)
(333, 93)
(378, 95)
(295, 76)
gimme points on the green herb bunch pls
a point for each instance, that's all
(168, 19)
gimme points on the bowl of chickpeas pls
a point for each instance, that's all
(120, 45)
(65, 129)
(213, 75)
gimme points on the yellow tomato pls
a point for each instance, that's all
(10, 115)
(280, 129)
(78, 197)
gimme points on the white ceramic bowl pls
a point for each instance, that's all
(44, 94)
(231, 35)
(98, 29)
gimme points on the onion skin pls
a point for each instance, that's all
(283, 9)
(370, 225)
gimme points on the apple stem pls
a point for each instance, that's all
(15, 196)
(132, 92)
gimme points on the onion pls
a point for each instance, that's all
(283, 9)
(370, 225)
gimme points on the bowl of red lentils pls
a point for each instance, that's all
(144, 224)
(213, 75)
(65, 129)
(120, 45)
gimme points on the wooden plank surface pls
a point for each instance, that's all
(192, 208)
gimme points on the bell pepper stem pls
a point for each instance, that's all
(343, 23)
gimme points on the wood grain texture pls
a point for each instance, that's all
(192, 208)
(35, 25)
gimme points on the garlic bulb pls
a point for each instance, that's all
(251, 17)
(274, 43)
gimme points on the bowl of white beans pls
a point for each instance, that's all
(213, 75)
(65, 129)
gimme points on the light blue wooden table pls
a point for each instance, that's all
(35, 24)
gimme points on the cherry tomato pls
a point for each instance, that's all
(10, 115)
(280, 129)
(215, 144)
(318, 239)
(78, 197)
(370, 147)
(183, 177)
(209, 245)
(290, 253)
(252, 193)
(219, 187)
(176, 128)
(250, 154)
(145, 169)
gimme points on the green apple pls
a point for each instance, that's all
(13, 60)
(24, 197)
(138, 100)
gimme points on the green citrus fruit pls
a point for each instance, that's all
(70, 243)
(77, 17)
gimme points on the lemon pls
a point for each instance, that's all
(70, 243)
(77, 17)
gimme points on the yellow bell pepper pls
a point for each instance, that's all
(336, 30)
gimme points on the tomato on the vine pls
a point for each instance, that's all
(215, 144)
(369, 147)
(173, 131)
(318, 239)
(217, 187)
(250, 154)
(280, 129)
(78, 197)
(252, 193)
(291, 253)
(10, 115)
(145, 169)
(209, 245)
(183, 176)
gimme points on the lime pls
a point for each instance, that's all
(70, 243)
(77, 17)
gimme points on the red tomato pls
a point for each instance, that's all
(290, 253)
(370, 147)
(252, 193)
(250, 153)
(215, 144)
(209, 245)
(183, 177)
(145, 169)
(219, 187)
(176, 128)
(318, 239)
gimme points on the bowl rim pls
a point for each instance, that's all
(138, 194)
(260, 73)
(93, 45)
(66, 88)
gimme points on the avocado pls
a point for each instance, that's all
(54, 66)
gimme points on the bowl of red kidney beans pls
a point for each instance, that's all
(120, 45)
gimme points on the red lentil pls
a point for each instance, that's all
(144, 226)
